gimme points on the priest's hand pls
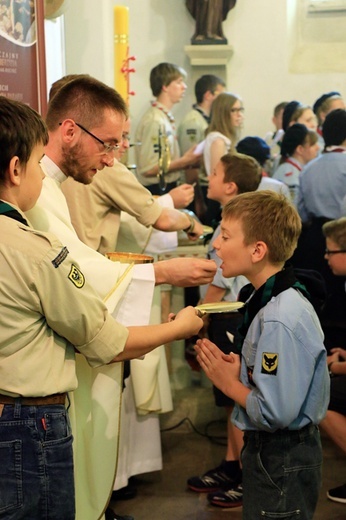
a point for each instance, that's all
(184, 272)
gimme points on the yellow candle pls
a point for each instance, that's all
(121, 46)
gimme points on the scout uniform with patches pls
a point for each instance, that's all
(191, 131)
(95, 404)
(51, 301)
(155, 119)
(283, 361)
(113, 190)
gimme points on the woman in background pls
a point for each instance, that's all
(299, 146)
(222, 135)
(322, 106)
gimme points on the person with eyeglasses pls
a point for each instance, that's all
(73, 152)
(334, 309)
(115, 189)
(221, 137)
(53, 325)
(334, 424)
(117, 213)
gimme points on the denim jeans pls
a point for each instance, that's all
(281, 474)
(36, 463)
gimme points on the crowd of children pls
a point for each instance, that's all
(275, 197)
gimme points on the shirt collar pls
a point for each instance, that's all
(52, 170)
(334, 148)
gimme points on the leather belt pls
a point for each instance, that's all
(34, 401)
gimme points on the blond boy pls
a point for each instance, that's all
(279, 381)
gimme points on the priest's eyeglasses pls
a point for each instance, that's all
(108, 148)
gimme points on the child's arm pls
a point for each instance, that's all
(217, 150)
(214, 294)
(143, 339)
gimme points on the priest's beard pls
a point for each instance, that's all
(75, 165)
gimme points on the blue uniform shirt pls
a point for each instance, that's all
(322, 187)
(284, 364)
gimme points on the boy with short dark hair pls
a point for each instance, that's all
(191, 131)
(280, 381)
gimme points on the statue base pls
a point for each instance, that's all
(209, 41)
(209, 55)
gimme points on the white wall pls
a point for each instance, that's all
(55, 50)
(271, 40)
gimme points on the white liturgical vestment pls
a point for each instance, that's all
(95, 405)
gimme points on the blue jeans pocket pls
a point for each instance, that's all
(57, 427)
(11, 491)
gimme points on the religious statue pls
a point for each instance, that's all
(209, 15)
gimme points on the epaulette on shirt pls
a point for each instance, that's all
(60, 257)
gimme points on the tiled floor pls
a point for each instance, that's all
(164, 495)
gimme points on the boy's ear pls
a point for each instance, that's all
(260, 250)
(231, 189)
(15, 170)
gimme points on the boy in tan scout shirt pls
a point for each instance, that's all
(167, 82)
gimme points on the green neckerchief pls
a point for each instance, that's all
(276, 284)
(9, 211)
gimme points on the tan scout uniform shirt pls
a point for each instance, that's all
(191, 131)
(95, 208)
(45, 299)
(147, 154)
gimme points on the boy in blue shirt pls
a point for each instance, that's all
(279, 381)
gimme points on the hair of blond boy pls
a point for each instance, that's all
(163, 74)
(220, 120)
(336, 230)
(85, 100)
(269, 217)
(21, 129)
(243, 170)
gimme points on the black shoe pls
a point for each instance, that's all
(227, 498)
(338, 494)
(212, 480)
(125, 493)
(110, 515)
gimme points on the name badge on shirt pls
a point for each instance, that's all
(270, 363)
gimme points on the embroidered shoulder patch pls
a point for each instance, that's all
(61, 257)
(76, 276)
(270, 363)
